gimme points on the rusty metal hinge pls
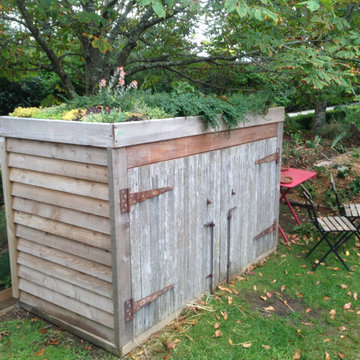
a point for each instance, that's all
(127, 198)
(268, 230)
(272, 157)
(131, 307)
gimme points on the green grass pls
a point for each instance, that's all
(296, 317)
(303, 323)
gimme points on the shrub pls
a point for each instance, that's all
(24, 112)
(75, 114)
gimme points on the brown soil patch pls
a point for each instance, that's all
(282, 305)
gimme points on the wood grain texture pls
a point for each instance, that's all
(63, 215)
(120, 245)
(127, 134)
(9, 214)
(42, 307)
(63, 199)
(74, 277)
(69, 246)
(58, 131)
(59, 167)
(61, 183)
(140, 155)
(82, 295)
(71, 232)
(82, 154)
(70, 261)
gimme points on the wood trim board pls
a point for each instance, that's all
(145, 154)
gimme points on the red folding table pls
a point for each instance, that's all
(298, 176)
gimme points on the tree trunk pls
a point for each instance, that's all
(320, 115)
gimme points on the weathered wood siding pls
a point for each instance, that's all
(170, 243)
(60, 203)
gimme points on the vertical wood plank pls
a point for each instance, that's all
(10, 225)
(120, 236)
(277, 176)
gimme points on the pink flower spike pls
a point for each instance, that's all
(103, 82)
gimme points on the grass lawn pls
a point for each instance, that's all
(278, 310)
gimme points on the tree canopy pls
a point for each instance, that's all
(313, 44)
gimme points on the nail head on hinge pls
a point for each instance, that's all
(208, 202)
(210, 224)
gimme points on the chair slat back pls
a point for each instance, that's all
(338, 203)
(309, 205)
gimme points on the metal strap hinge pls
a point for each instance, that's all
(272, 157)
(127, 198)
(268, 230)
(131, 307)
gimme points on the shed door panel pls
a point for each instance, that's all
(250, 188)
(170, 244)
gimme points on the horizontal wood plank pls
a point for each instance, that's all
(134, 133)
(66, 245)
(61, 183)
(71, 232)
(67, 216)
(63, 317)
(58, 131)
(83, 295)
(83, 154)
(72, 262)
(63, 199)
(77, 278)
(146, 154)
(59, 167)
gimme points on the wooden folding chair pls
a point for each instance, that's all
(339, 228)
(351, 211)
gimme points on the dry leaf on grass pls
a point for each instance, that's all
(223, 288)
(263, 298)
(246, 345)
(326, 298)
(342, 328)
(269, 308)
(224, 315)
(231, 342)
(297, 355)
(230, 300)
(355, 296)
(327, 356)
(341, 356)
(266, 347)
(40, 352)
(255, 288)
(217, 333)
(332, 314)
(283, 287)
(344, 286)
(308, 310)
(217, 325)
(347, 306)
(173, 344)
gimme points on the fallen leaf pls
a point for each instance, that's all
(274, 281)
(231, 342)
(303, 266)
(269, 308)
(349, 293)
(297, 355)
(286, 272)
(332, 314)
(283, 287)
(347, 306)
(318, 282)
(255, 288)
(344, 286)
(266, 347)
(268, 294)
(40, 352)
(355, 296)
(238, 322)
(240, 278)
(224, 315)
(327, 340)
(341, 356)
(43, 331)
(223, 288)
(33, 319)
(342, 328)
(235, 292)
(260, 274)
(347, 253)
(217, 333)
(230, 300)
(308, 310)
(173, 344)
(166, 357)
(263, 298)
(217, 325)
(189, 337)
(327, 356)
(358, 312)
(342, 336)
(300, 294)
(52, 341)
(246, 345)
(326, 298)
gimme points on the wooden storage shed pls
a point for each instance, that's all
(114, 228)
